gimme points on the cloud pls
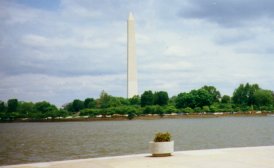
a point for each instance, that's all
(46, 5)
(74, 49)
(78, 11)
(12, 13)
(59, 90)
(234, 36)
(228, 13)
(40, 41)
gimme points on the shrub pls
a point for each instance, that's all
(245, 108)
(198, 109)
(149, 110)
(188, 110)
(131, 115)
(237, 109)
(131, 112)
(264, 108)
(213, 108)
(162, 137)
(170, 109)
(90, 112)
(206, 109)
(159, 110)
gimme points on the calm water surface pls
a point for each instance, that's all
(36, 142)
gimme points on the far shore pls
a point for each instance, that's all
(149, 117)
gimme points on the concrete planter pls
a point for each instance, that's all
(161, 148)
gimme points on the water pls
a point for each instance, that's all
(37, 142)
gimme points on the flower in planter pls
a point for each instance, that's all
(162, 137)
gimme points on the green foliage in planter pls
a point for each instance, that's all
(162, 137)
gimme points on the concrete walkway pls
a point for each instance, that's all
(248, 157)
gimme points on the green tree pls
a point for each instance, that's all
(251, 91)
(12, 105)
(239, 95)
(123, 101)
(25, 108)
(77, 105)
(184, 100)
(244, 94)
(202, 97)
(161, 98)
(114, 102)
(2, 106)
(172, 100)
(104, 100)
(43, 109)
(62, 113)
(195, 98)
(263, 97)
(216, 95)
(147, 98)
(135, 100)
(68, 107)
(226, 99)
(89, 103)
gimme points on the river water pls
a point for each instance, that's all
(39, 142)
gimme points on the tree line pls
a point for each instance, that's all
(246, 97)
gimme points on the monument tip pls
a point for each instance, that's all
(130, 16)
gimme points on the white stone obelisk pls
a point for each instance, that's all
(132, 85)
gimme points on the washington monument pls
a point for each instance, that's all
(132, 85)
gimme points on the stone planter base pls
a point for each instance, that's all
(160, 149)
(162, 155)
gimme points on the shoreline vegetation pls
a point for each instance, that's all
(148, 117)
(207, 101)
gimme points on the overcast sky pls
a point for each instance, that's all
(59, 50)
